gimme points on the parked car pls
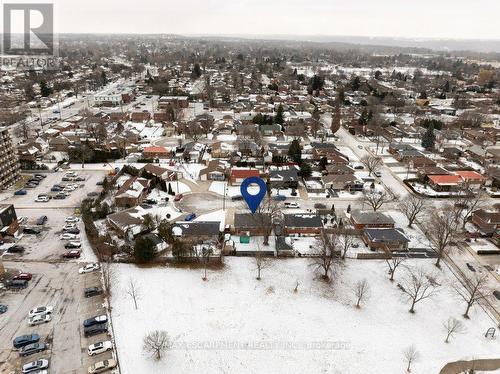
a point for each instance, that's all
(20, 192)
(190, 217)
(39, 319)
(68, 236)
(60, 196)
(41, 176)
(102, 366)
(56, 189)
(22, 220)
(89, 268)
(146, 206)
(41, 220)
(471, 268)
(44, 199)
(30, 185)
(292, 205)
(16, 284)
(71, 219)
(280, 197)
(16, 249)
(24, 340)
(32, 349)
(178, 197)
(32, 230)
(151, 201)
(40, 310)
(378, 174)
(237, 198)
(35, 365)
(95, 320)
(496, 293)
(100, 347)
(80, 179)
(72, 254)
(73, 245)
(73, 231)
(67, 179)
(23, 275)
(92, 291)
(3, 308)
(95, 329)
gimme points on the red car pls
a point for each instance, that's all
(23, 276)
(178, 197)
(72, 254)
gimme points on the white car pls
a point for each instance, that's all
(292, 205)
(67, 236)
(96, 348)
(89, 268)
(39, 319)
(35, 366)
(71, 219)
(22, 220)
(42, 199)
(40, 310)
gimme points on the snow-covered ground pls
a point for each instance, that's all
(233, 323)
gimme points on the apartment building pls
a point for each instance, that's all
(9, 164)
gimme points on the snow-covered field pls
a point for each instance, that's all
(233, 323)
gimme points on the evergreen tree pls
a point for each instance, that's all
(278, 118)
(144, 249)
(295, 151)
(196, 71)
(429, 138)
(305, 170)
(45, 90)
(323, 162)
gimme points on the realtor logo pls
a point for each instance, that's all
(28, 29)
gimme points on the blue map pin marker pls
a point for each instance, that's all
(253, 201)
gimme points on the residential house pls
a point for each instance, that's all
(471, 178)
(339, 182)
(8, 220)
(155, 152)
(303, 224)
(237, 176)
(445, 183)
(368, 219)
(196, 231)
(251, 224)
(132, 192)
(487, 221)
(284, 177)
(385, 239)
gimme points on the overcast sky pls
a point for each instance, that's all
(399, 18)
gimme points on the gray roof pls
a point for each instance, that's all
(319, 145)
(249, 220)
(386, 235)
(285, 175)
(303, 220)
(367, 217)
(197, 228)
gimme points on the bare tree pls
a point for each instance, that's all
(328, 259)
(411, 355)
(206, 252)
(156, 343)
(346, 242)
(393, 263)
(296, 289)
(417, 285)
(375, 199)
(452, 326)
(108, 275)
(267, 212)
(361, 291)
(475, 290)
(261, 262)
(442, 230)
(468, 202)
(413, 206)
(134, 291)
(372, 163)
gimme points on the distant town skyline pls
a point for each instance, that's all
(457, 19)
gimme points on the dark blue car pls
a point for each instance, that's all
(20, 192)
(190, 217)
(24, 340)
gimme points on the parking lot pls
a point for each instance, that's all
(73, 200)
(61, 286)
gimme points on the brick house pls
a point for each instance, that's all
(487, 221)
(132, 192)
(237, 176)
(252, 224)
(154, 152)
(8, 220)
(385, 239)
(302, 224)
(367, 219)
(445, 182)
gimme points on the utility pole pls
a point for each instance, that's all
(224, 197)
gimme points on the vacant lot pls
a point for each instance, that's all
(234, 323)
